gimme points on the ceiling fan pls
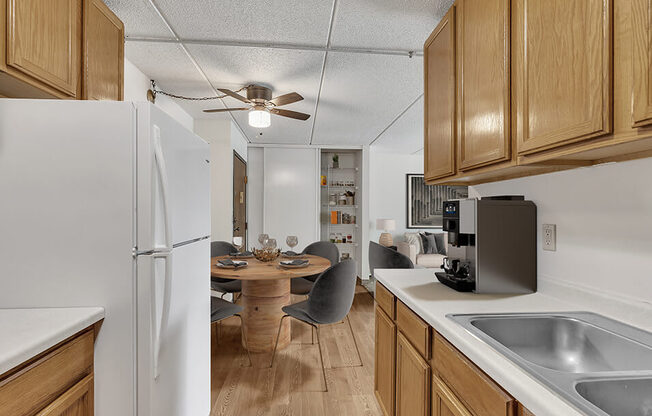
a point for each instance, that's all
(262, 105)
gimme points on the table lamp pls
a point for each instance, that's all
(385, 225)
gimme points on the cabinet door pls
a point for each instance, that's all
(563, 61)
(385, 362)
(412, 380)
(483, 82)
(103, 52)
(44, 41)
(642, 62)
(444, 402)
(439, 100)
(78, 401)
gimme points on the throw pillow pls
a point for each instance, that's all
(414, 239)
(440, 244)
(432, 244)
(427, 247)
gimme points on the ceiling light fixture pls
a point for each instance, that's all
(260, 118)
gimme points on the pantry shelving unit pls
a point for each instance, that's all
(335, 182)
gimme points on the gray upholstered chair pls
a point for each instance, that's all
(218, 284)
(221, 309)
(329, 302)
(325, 249)
(381, 257)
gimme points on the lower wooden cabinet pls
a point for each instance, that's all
(78, 401)
(58, 382)
(444, 402)
(412, 380)
(385, 359)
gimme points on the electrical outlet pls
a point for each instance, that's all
(550, 237)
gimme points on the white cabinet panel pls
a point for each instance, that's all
(291, 201)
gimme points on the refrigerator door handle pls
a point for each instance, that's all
(162, 173)
(158, 328)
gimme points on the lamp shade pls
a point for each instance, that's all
(259, 118)
(385, 224)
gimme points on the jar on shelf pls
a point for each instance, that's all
(343, 239)
(332, 237)
(338, 237)
(342, 199)
(332, 199)
(349, 238)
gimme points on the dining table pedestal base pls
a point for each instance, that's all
(262, 301)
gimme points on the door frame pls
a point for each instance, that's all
(246, 185)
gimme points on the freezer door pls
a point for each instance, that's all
(174, 332)
(173, 182)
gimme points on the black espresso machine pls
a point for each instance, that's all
(492, 245)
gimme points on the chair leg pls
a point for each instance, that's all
(354, 341)
(278, 335)
(321, 358)
(244, 337)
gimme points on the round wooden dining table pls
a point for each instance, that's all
(265, 290)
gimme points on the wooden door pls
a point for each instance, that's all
(563, 61)
(103, 53)
(77, 401)
(642, 62)
(439, 99)
(240, 198)
(44, 41)
(444, 402)
(385, 362)
(483, 82)
(412, 380)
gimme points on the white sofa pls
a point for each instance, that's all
(413, 251)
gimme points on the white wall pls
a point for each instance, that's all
(604, 225)
(388, 190)
(223, 141)
(136, 86)
(283, 194)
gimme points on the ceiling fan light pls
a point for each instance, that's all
(260, 119)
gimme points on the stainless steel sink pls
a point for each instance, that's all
(601, 366)
(622, 397)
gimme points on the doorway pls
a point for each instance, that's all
(240, 198)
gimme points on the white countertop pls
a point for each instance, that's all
(420, 290)
(28, 332)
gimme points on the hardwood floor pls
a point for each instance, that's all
(294, 386)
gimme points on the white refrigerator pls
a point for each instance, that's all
(107, 204)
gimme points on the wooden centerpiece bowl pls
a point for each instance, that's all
(266, 255)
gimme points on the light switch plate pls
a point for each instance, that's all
(550, 237)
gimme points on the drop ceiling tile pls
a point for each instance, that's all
(362, 94)
(281, 70)
(386, 24)
(405, 136)
(174, 72)
(140, 18)
(271, 21)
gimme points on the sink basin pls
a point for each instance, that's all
(622, 397)
(600, 366)
(566, 344)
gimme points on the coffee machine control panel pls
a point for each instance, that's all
(451, 209)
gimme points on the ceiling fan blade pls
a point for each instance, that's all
(222, 110)
(234, 95)
(289, 113)
(290, 98)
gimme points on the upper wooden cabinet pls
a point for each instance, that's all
(562, 72)
(483, 82)
(60, 49)
(642, 62)
(439, 99)
(103, 53)
(43, 42)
